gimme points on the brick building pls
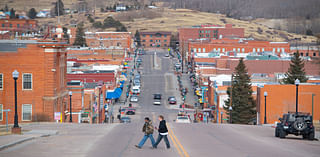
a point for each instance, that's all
(18, 25)
(282, 98)
(111, 40)
(41, 86)
(237, 46)
(155, 39)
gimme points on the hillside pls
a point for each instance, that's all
(165, 19)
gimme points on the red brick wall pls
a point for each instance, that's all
(152, 40)
(18, 25)
(48, 89)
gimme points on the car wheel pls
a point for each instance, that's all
(276, 132)
(311, 136)
(282, 133)
(299, 124)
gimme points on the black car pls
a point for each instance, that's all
(157, 99)
(297, 124)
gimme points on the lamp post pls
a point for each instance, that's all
(265, 107)
(70, 94)
(297, 82)
(15, 75)
(230, 111)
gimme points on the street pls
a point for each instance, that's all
(195, 139)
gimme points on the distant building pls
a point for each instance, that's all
(18, 25)
(155, 39)
(41, 86)
(121, 7)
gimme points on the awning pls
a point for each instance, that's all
(115, 94)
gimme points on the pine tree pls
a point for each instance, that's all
(60, 8)
(80, 40)
(243, 105)
(296, 70)
(12, 14)
(32, 13)
(138, 39)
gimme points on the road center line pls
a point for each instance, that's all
(178, 142)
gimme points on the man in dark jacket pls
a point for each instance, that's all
(163, 133)
(148, 133)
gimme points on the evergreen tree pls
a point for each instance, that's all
(121, 28)
(12, 14)
(243, 105)
(32, 13)
(296, 70)
(6, 8)
(60, 8)
(80, 40)
(138, 39)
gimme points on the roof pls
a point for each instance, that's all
(153, 33)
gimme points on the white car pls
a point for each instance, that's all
(183, 119)
(135, 90)
(134, 98)
(178, 65)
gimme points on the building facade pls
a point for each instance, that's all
(155, 39)
(18, 25)
(41, 86)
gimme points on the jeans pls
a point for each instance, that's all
(144, 139)
(165, 140)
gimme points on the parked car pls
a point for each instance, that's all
(134, 98)
(157, 99)
(125, 120)
(130, 111)
(183, 119)
(178, 65)
(137, 84)
(135, 90)
(139, 60)
(297, 124)
(172, 100)
(137, 77)
(167, 55)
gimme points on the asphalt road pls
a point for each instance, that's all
(194, 140)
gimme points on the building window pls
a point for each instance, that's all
(254, 50)
(150, 35)
(165, 40)
(199, 49)
(278, 49)
(262, 49)
(27, 81)
(1, 81)
(219, 49)
(238, 49)
(10, 25)
(314, 54)
(1, 112)
(165, 44)
(258, 49)
(159, 40)
(208, 31)
(301, 54)
(194, 50)
(144, 35)
(3, 25)
(214, 49)
(30, 25)
(307, 54)
(204, 49)
(143, 40)
(26, 112)
(165, 35)
(223, 49)
(143, 45)
(151, 40)
(207, 35)
(242, 50)
(199, 31)
(18, 25)
(234, 49)
(151, 45)
(274, 50)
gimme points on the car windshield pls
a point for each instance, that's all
(183, 118)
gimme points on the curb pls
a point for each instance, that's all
(16, 142)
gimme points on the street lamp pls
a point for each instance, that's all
(15, 75)
(70, 94)
(297, 82)
(230, 111)
(265, 107)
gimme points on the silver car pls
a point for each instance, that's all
(134, 98)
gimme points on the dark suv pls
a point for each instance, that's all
(297, 124)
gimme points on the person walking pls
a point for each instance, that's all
(163, 132)
(148, 133)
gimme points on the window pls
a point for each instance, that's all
(165, 40)
(234, 49)
(143, 40)
(218, 49)
(10, 25)
(165, 35)
(258, 49)
(208, 31)
(301, 54)
(165, 44)
(194, 50)
(199, 31)
(151, 40)
(151, 45)
(238, 49)
(159, 40)
(26, 112)
(214, 49)
(3, 25)
(278, 49)
(314, 54)
(223, 49)
(27, 81)
(274, 49)
(207, 35)
(254, 50)
(199, 49)
(144, 35)
(150, 35)
(143, 45)
(18, 25)
(242, 50)
(262, 49)
(1, 81)
(282, 49)
(204, 49)
(307, 54)
(1, 112)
